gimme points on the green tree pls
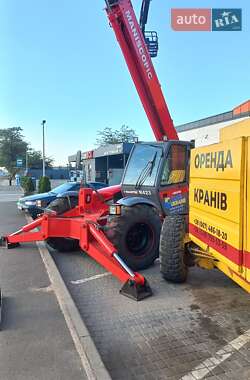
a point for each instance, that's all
(116, 136)
(127, 134)
(35, 159)
(12, 146)
(44, 185)
(27, 185)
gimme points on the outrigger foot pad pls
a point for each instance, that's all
(4, 243)
(136, 291)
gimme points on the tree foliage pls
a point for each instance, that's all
(44, 185)
(27, 185)
(116, 136)
(12, 146)
(35, 159)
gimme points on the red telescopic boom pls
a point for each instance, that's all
(134, 48)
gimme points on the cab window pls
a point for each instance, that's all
(174, 169)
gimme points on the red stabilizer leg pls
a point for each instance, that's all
(26, 233)
(92, 240)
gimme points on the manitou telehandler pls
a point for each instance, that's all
(120, 226)
(130, 241)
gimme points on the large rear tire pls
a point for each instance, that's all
(61, 205)
(172, 249)
(136, 235)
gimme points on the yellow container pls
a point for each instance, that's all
(219, 200)
(238, 129)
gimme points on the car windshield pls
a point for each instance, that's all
(65, 187)
(143, 165)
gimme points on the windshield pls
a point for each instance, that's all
(64, 187)
(143, 165)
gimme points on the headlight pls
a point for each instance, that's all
(115, 209)
(41, 203)
(30, 203)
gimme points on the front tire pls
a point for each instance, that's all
(63, 244)
(61, 205)
(172, 249)
(135, 234)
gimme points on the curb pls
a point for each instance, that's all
(84, 344)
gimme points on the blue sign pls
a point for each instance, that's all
(19, 163)
(229, 19)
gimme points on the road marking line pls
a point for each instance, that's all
(83, 280)
(220, 356)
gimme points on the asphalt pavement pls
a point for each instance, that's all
(197, 330)
(10, 193)
(35, 343)
(192, 331)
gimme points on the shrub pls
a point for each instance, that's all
(28, 185)
(44, 185)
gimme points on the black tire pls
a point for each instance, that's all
(136, 235)
(172, 249)
(63, 244)
(61, 205)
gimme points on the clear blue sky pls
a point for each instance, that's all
(60, 62)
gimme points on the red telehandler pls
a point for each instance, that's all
(120, 226)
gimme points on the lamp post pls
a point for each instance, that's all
(43, 123)
(27, 162)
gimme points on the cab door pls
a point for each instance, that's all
(173, 182)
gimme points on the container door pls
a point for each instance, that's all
(246, 260)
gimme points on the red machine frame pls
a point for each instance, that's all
(87, 221)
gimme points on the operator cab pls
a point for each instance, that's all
(151, 37)
(158, 173)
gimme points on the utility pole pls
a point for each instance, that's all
(43, 123)
(27, 162)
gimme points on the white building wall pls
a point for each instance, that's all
(206, 135)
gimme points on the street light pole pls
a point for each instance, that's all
(43, 123)
(27, 163)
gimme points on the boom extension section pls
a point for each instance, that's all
(134, 48)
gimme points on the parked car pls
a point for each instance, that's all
(34, 204)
